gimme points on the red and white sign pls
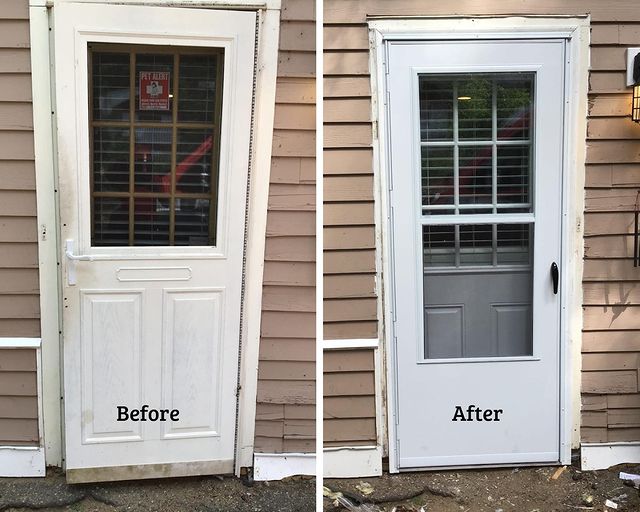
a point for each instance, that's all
(154, 90)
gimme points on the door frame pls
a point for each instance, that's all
(576, 30)
(49, 245)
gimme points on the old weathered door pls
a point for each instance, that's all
(153, 110)
(476, 140)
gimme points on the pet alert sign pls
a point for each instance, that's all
(154, 90)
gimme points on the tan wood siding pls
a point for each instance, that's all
(18, 397)
(349, 398)
(19, 300)
(286, 373)
(611, 297)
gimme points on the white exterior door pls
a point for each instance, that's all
(476, 144)
(153, 115)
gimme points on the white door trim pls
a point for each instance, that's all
(46, 189)
(576, 31)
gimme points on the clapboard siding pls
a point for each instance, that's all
(349, 397)
(612, 302)
(19, 290)
(18, 396)
(286, 372)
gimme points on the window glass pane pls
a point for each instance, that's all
(513, 174)
(153, 160)
(110, 221)
(475, 174)
(488, 142)
(110, 159)
(475, 101)
(437, 176)
(436, 109)
(197, 88)
(514, 105)
(513, 244)
(151, 221)
(192, 221)
(154, 87)
(111, 86)
(170, 148)
(476, 245)
(194, 158)
(439, 246)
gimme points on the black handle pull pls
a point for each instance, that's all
(555, 274)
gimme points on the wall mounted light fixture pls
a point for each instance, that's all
(635, 105)
(633, 79)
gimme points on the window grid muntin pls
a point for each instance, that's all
(457, 217)
(132, 124)
(495, 141)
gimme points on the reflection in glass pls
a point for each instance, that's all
(436, 109)
(110, 90)
(437, 176)
(110, 221)
(192, 221)
(197, 86)
(194, 158)
(475, 101)
(153, 160)
(110, 159)
(475, 174)
(151, 221)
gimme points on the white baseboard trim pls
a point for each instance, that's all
(352, 462)
(17, 461)
(372, 343)
(20, 342)
(604, 455)
(275, 466)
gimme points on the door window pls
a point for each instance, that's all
(476, 148)
(154, 121)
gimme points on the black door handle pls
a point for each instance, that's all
(555, 274)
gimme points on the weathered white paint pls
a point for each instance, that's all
(128, 357)
(46, 179)
(604, 455)
(276, 466)
(577, 32)
(353, 462)
(46, 183)
(21, 461)
(265, 99)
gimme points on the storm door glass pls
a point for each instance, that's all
(154, 121)
(476, 149)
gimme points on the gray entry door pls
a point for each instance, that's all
(476, 139)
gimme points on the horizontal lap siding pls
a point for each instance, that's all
(611, 284)
(349, 398)
(610, 351)
(19, 299)
(19, 292)
(18, 397)
(285, 415)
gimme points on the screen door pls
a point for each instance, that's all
(153, 138)
(476, 169)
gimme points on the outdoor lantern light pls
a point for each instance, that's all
(635, 104)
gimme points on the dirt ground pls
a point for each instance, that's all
(198, 494)
(491, 490)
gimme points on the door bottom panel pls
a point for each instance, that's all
(412, 463)
(146, 471)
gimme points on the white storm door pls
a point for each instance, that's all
(476, 139)
(154, 118)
